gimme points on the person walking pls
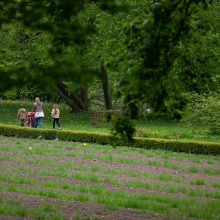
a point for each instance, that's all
(38, 113)
(22, 115)
(55, 113)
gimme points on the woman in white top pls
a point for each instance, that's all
(38, 113)
(55, 113)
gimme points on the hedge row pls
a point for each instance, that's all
(51, 134)
(196, 147)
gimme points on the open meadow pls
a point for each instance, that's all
(50, 179)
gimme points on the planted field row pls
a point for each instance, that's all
(151, 183)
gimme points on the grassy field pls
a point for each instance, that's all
(81, 122)
(63, 180)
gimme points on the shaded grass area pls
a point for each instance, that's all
(81, 122)
(159, 182)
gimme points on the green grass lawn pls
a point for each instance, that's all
(62, 180)
(81, 121)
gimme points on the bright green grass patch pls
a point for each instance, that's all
(193, 169)
(211, 171)
(64, 166)
(173, 166)
(216, 184)
(165, 177)
(198, 182)
(153, 163)
(6, 157)
(82, 198)
(96, 168)
(132, 173)
(86, 177)
(135, 184)
(48, 207)
(112, 180)
(61, 174)
(17, 208)
(113, 171)
(16, 179)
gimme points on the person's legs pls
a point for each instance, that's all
(54, 122)
(41, 122)
(58, 122)
(22, 122)
(35, 122)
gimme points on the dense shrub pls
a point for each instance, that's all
(28, 93)
(203, 111)
(89, 137)
(11, 94)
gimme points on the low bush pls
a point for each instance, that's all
(203, 111)
(50, 134)
(196, 147)
(89, 137)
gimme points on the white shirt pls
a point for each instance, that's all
(57, 115)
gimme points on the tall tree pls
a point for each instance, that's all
(150, 50)
(153, 49)
(58, 19)
(106, 89)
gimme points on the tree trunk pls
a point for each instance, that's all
(105, 87)
(84, 97)
(77, 102)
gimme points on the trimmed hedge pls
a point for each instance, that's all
(197, 147)
(51, 134)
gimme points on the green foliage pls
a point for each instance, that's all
(197, 147)
(169, 52)
(21, 48)
(11, 94)
(63, 32)
(91, 137)
(168, 47)
(124, 129)
(29, 92)
(153, 128)
(203, 111)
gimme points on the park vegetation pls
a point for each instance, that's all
(113, 54)
(152, 71)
